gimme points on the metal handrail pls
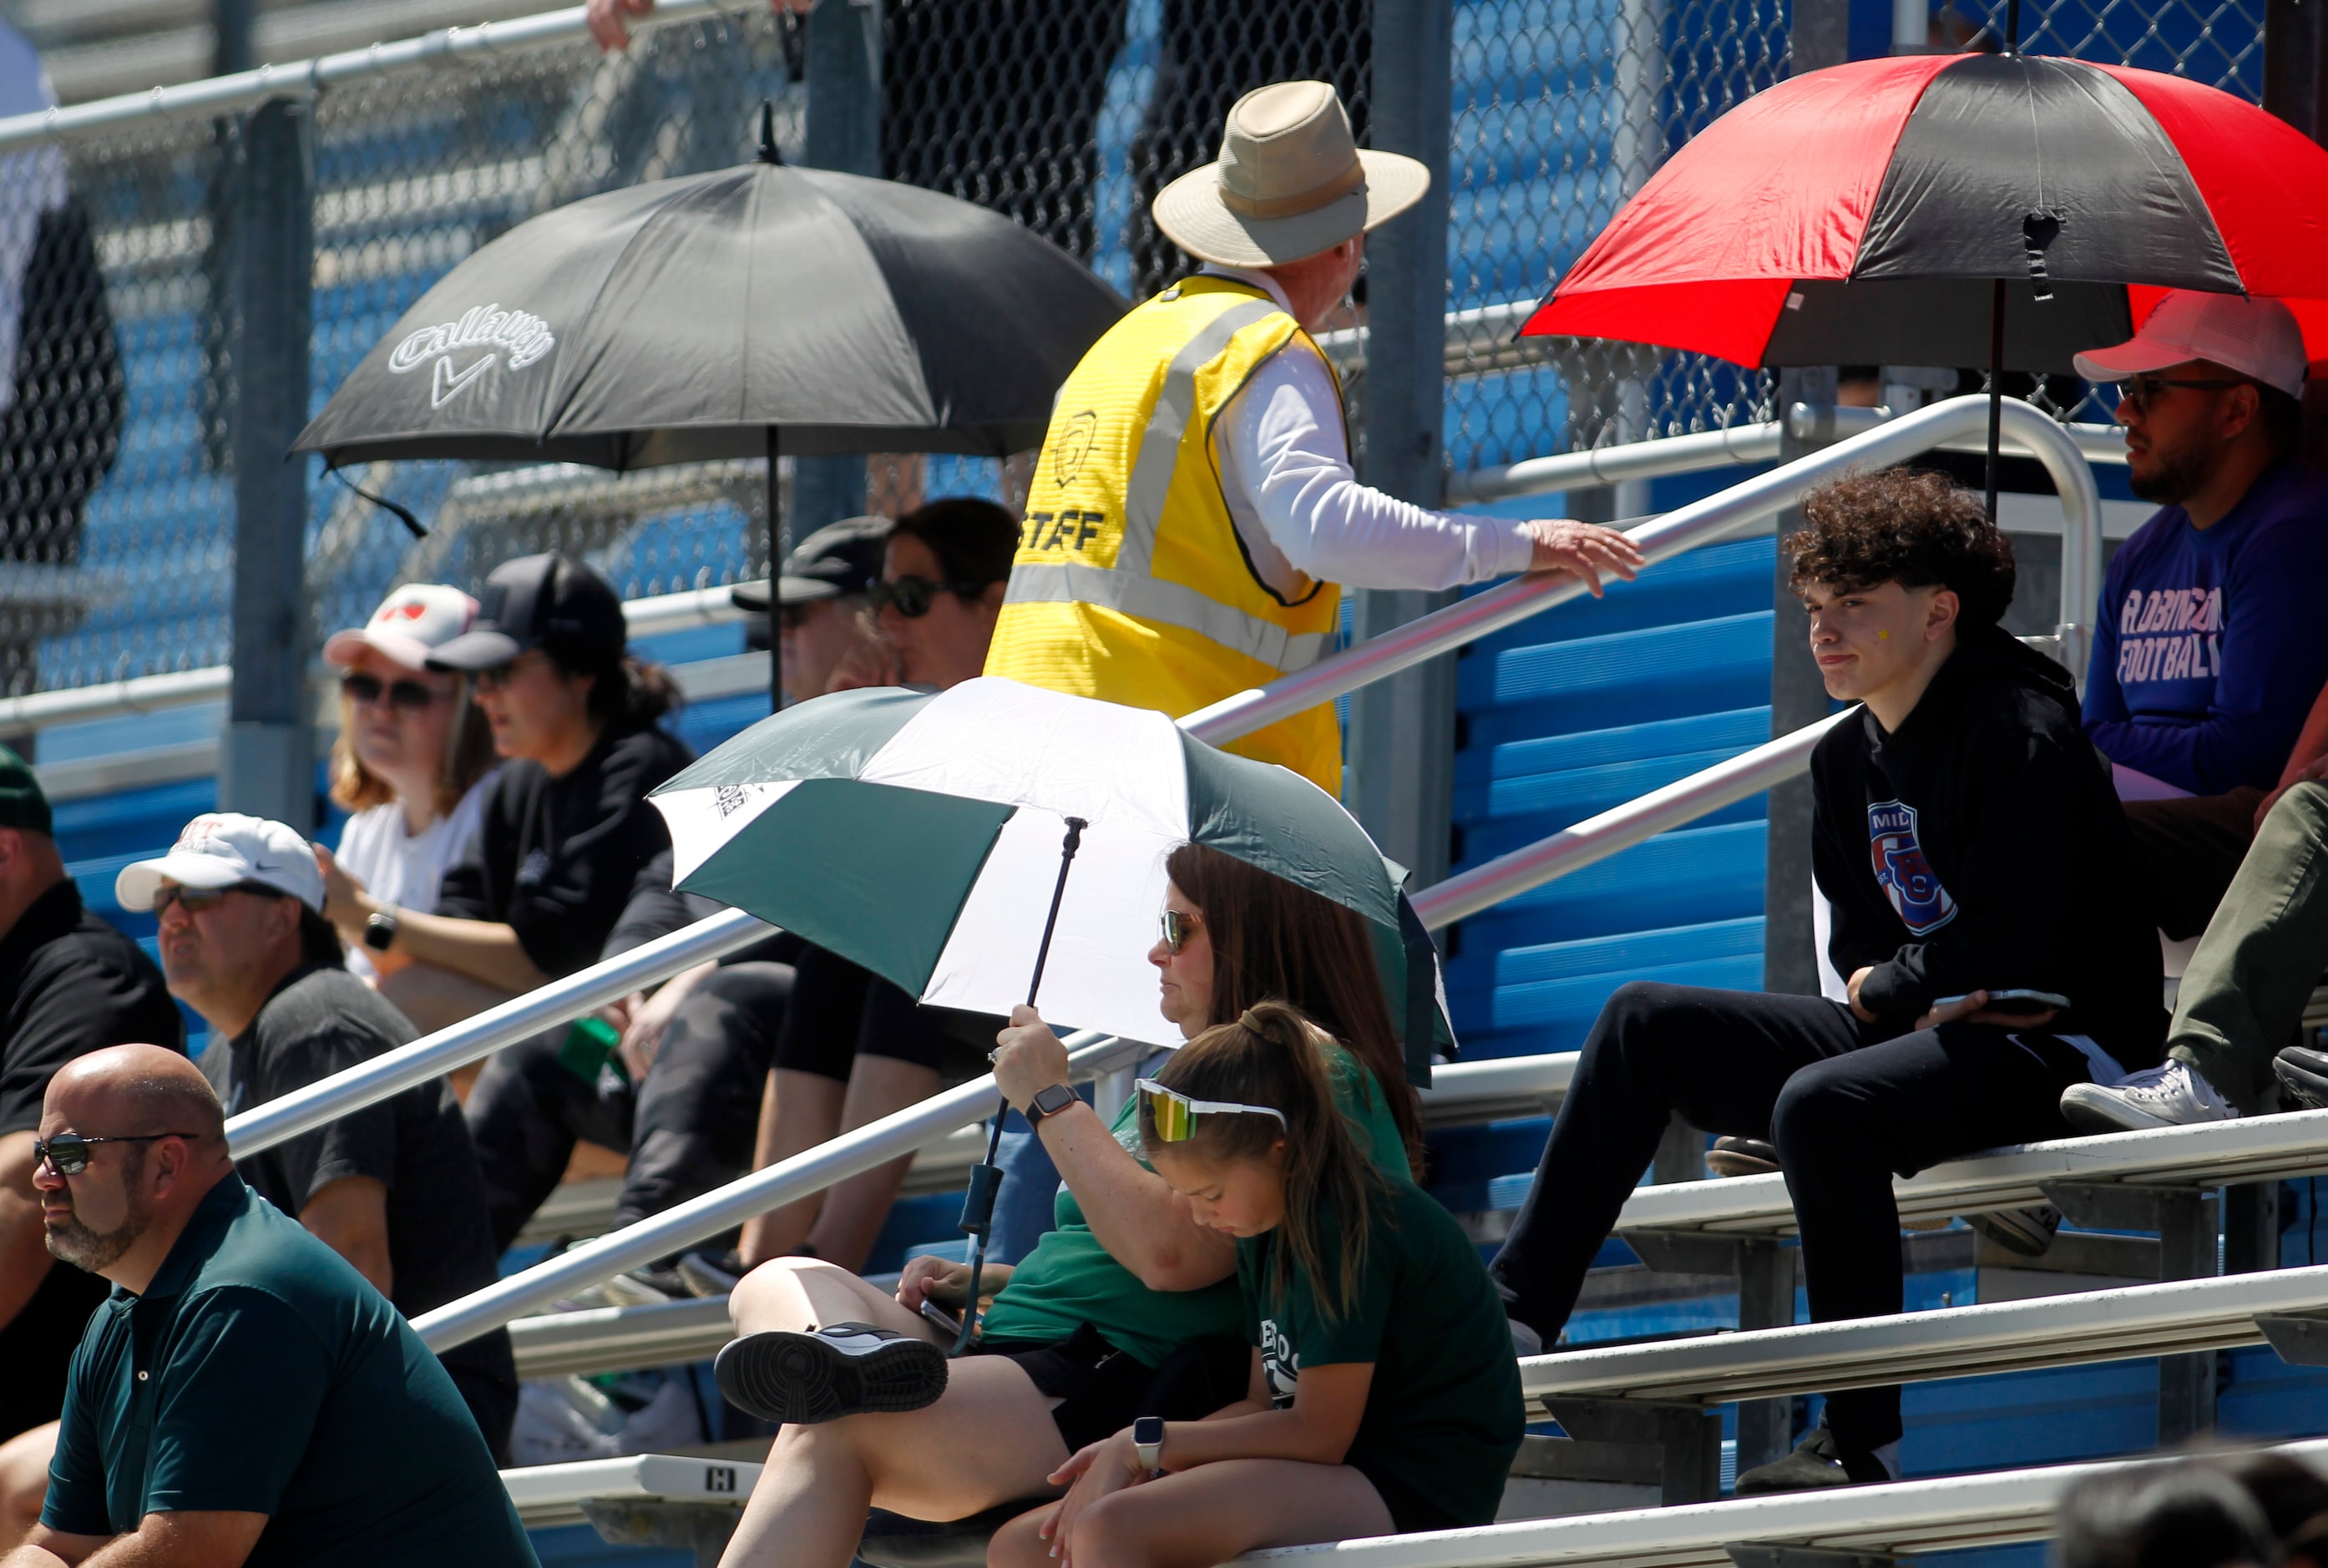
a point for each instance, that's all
(1579, 846)
(41, 711)
(1703, 522)
(305, 1109)
(1735, 444)
(725, 1208)
(1597, 838)
(302, 79)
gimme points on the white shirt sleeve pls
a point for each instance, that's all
(1285, 466)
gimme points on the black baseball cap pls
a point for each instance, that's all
(840, 557)
(539, 601)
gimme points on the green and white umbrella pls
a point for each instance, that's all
(920, 836)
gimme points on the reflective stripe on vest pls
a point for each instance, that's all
(1173, 604)
(1159, 443)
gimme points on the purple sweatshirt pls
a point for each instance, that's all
(2207, 649)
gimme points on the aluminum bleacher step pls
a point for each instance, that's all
(550, 1495)
(2253, 1148)
(1952, 1513)
(2180, 1317)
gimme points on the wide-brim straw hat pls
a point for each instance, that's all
(1290, 181)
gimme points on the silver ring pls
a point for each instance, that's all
(994, 1057)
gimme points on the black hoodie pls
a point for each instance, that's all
(1982, 846)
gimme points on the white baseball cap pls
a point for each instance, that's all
(2255, 337)
(225, 850)
(410, 622)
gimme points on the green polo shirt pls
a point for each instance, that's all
(260, 1374)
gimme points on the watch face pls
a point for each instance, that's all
(1147, 1430)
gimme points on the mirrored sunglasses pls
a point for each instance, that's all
(68, 1153)
(1174, 1114)
(1178, 928)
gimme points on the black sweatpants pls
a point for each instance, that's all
(689, 1128)
(1847, 1108)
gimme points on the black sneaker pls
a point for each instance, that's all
(2303, 1075)
(841, 1369)
(2026, 1232)
(1742, 1157)
(1816, 1461)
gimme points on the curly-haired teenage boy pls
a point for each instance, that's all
(1966, 833)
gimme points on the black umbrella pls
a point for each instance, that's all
(722, 314)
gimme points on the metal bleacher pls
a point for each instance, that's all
(1566, 715)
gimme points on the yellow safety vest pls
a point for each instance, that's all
(1130, 584)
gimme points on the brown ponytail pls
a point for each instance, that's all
(1271, 1055)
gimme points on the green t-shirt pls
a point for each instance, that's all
(1069, 1280)
(1443, 1416)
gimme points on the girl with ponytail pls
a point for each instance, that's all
(1347, 1429)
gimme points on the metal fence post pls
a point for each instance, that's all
(1798, 697)
(844, 134)
(2296, 65)
(1818, 35)
(1399, 780)
(268, 766)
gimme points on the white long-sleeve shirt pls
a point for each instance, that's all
(1285, 470)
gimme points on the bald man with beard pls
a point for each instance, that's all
(243, 1396)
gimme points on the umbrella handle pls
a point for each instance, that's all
(986, 1180)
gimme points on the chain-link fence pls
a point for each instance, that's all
(116, 490)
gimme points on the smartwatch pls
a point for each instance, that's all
(1049, 1103)
(1148, 1442)
(381, 929)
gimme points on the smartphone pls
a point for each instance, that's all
(942, 1318)
(2017, 1003)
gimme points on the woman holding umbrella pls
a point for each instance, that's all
(1128, 1307)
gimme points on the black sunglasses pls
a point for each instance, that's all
(68, 1153)
(501, 675)
(410, 696)
(196, 900)
(2138, 392)
(911, 596)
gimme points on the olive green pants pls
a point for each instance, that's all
(2243, 993)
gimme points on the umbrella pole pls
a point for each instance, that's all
(1996, 386)
(978, 1203)
(775, 573)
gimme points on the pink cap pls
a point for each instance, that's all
(410, 622)
(2258, 338)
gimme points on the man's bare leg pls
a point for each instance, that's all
(989, 1439)
(855, 1210)
(24, 1481)
(798, 1112)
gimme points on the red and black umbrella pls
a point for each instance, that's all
(1889, 211)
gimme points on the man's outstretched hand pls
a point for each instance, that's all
(1586, 550)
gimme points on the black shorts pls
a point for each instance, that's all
(1409, 1512)
(1102, 1390)
(839, 1010)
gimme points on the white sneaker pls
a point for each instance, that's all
(2174, 1095)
